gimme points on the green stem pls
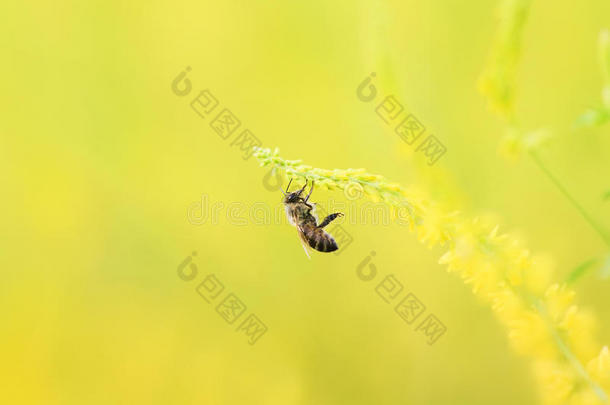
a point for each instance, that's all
(600, 231)
(537, 303)
(567, 353)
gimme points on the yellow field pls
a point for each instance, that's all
(146, 254)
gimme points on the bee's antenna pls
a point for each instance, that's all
(287, 187)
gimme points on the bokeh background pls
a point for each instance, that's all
(100, 161)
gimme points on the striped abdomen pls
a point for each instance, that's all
(319, 239)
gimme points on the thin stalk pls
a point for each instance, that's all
(567, 353)
(563, 347)
(600, 231)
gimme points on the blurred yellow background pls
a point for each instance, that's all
(100, 162)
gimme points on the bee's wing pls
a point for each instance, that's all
(304, 242)
(301, 234)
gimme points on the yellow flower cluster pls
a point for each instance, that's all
(542, 320)
(497, 81)
(374, 186)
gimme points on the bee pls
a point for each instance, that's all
(300, 214)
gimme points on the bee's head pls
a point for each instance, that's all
(292, 197)
(295, 196)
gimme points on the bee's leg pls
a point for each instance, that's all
(310, 191)
(329, 219)
(303, 188)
